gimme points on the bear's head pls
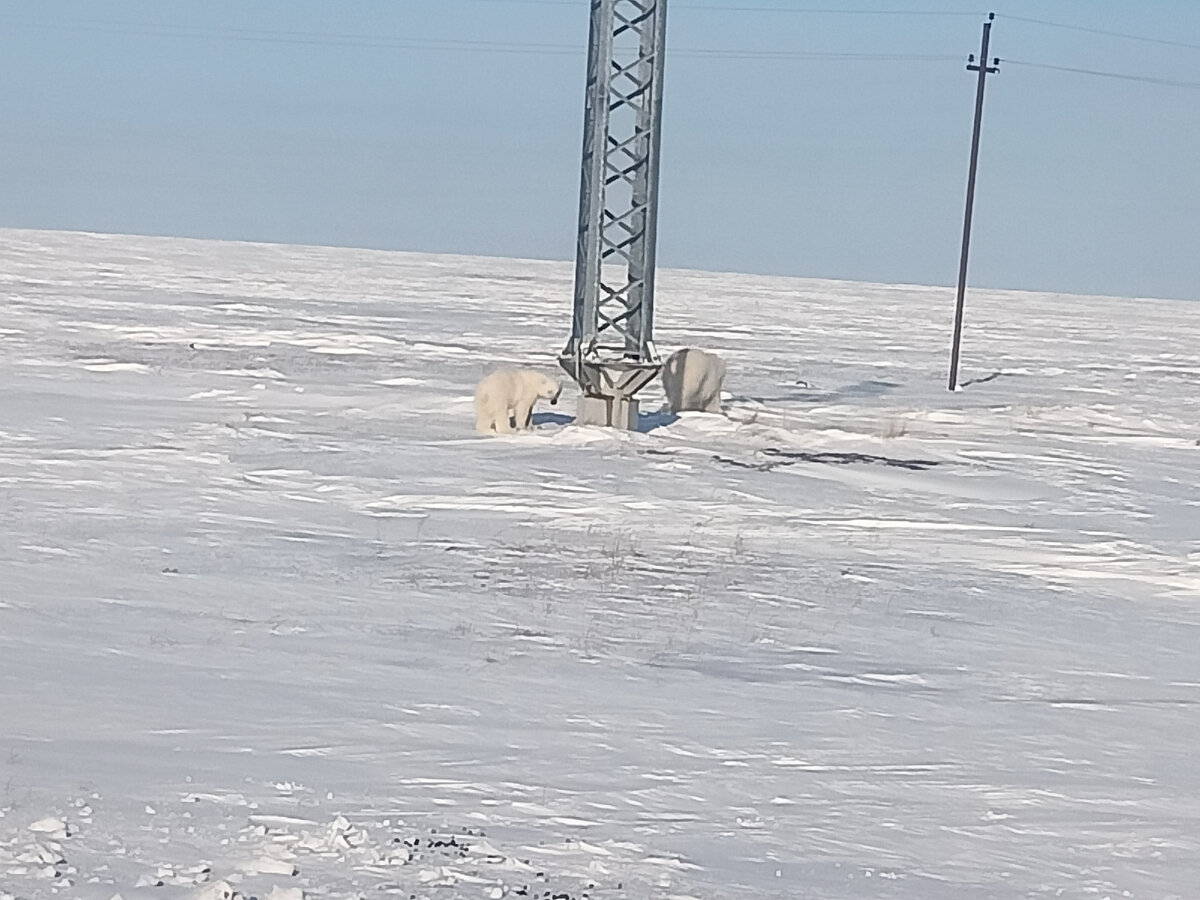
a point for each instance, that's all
(550, 390)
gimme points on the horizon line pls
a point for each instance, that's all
(263, 242)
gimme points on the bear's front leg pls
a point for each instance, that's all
(523, 415)
(504, 423)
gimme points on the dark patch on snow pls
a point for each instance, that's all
(984, 379)
(792, 457)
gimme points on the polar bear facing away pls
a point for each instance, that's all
(504, 400)
(692, 380)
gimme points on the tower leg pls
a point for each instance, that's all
(609, 412)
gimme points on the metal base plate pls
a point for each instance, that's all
(610, 412)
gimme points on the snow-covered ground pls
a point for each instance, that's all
(274, 619)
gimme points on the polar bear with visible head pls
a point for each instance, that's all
(692, 380)
(504, 400)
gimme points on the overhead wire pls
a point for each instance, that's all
(811, 10)
(823, 11)
(533, 48)
(1087, 29)
(1124, 76)
(309, 39)
(456, 44)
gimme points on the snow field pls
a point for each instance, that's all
(271, 613)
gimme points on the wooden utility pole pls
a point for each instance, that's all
(984, 70)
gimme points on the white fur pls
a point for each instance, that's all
(692, 380)
(504, 400)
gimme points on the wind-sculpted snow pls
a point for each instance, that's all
(275, 623)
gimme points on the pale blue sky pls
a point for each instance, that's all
(367, 124)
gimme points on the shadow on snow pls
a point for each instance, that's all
(646, 421)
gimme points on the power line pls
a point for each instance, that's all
(823, 11)
(385, 42)
(455, 44)
(307, 39)
(810, 10)
(1124, 76)
(786, 54)
(1089, 30)
(832, 11)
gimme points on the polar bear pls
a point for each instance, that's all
(504, 400)
(692, 380)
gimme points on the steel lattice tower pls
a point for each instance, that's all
(611, 352)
